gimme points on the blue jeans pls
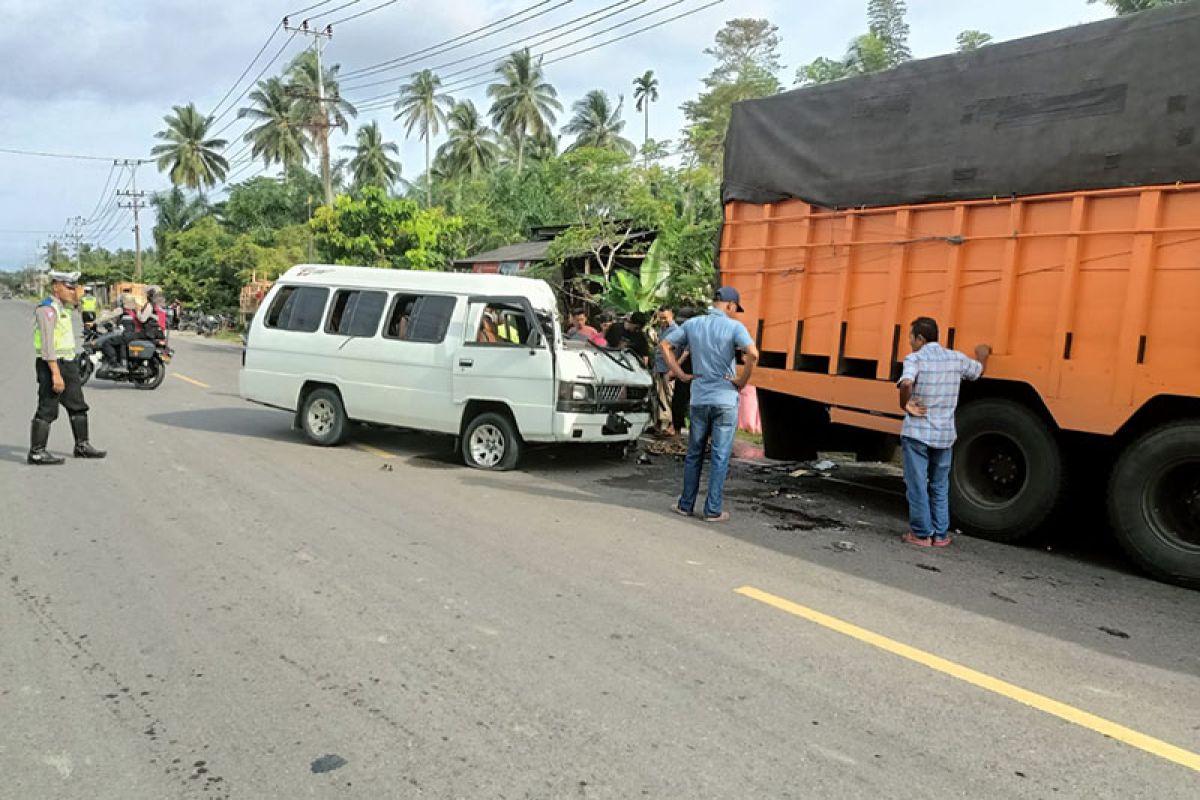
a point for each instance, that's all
(718, 423)
(927, 477)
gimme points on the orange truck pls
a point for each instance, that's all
(1041, 196)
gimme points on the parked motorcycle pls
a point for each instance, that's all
(147, 361)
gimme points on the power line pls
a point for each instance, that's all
(362, 13)
(40, 154)
(246, 71)
(103, 192)
(310, 8)
(614, 40)
(254, 82)
(579, 23)
(384, 66)
(332, 10)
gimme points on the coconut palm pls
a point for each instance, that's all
(421, 107)
(595, 123)
(188, 155)
(645, 92)
(523, 103)
(471, 148)
(278, 138)
(373, 163)
(307, 85)
(175, 212)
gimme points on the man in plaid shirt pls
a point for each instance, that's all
(929, 396)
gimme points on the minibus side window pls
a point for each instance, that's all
(297, 308)
(355, 313)
(420, 318)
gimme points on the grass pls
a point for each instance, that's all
(752, 438)
(228, 336)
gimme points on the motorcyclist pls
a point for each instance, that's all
(153, 315)
(112, 345)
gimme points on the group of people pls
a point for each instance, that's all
(149, 320)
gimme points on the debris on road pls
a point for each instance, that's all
(848, 547)
(1114, 632)
(328, 763)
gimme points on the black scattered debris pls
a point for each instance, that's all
(848, 547)
(1114, 632)
(1005, 598)
(328, 763)
(928, 567)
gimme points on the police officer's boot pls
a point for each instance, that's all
(83, 448)
(39, 436)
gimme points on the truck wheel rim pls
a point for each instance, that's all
(487, 445)
(1172, 503)
(320, 417)
(994, 468)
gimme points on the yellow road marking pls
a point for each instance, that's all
(192, 381)
(375, 451)
(1042, 703)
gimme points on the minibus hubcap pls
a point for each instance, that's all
(487, 445)
(320, 417)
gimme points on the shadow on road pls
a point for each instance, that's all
(258, 423)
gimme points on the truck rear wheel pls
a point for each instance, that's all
(1007, 472)
(1154, 502)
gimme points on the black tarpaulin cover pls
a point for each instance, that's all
(1111, 103)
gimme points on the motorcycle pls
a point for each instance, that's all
(147, 361)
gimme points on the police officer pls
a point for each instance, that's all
(88, 307)
(58, 372)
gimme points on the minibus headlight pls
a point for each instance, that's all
(576, 392)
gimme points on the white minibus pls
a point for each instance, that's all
(478, 357)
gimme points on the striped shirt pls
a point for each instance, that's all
(936, 374)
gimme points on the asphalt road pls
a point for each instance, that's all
(221, 610)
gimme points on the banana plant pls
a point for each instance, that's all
(627, 292)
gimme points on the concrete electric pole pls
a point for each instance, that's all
(136, 202)
(320, 36)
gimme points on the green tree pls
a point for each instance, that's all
(380, 231)
(645, 92)
(747, 53)
(375, 162)
(743, 45)
(470, 149)
(523, 102)
(305, 83)
(278, 135)
(971, 40)
(421, 107)
(886, 21)
(189, 156)
(867, 54)
(1123, 7)
(595, 123)
(823, 70)
(262, 205)
(174, 212)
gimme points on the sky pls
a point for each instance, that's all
(96, 77)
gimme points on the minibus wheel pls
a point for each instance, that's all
(323, 418)
(491, 442)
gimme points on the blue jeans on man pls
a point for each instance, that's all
(927, 478)
(718, 424)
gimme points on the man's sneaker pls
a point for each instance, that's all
(942, 541)
(917, 541)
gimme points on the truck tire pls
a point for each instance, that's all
(323, 418)
(1007, 472)
(1154, 502)
(791, 426)
(490, 442)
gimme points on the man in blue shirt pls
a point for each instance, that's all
(929, 396)
(713, 340)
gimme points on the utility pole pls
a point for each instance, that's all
(320, 35)
(76, 237)
(136, 202)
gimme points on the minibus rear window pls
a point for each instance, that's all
(297, 308)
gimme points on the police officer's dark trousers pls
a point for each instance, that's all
(48, 403)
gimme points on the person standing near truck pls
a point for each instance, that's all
(714, 341)
(929, 387)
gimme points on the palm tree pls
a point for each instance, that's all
(596, 124)
(279, 136)
(189, 156)
(471, 148)
(306, 84)
(523, 102)
(373, 164)
(175, 212)
(645, 92)
(420, 106)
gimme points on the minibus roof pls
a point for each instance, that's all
(538, 292)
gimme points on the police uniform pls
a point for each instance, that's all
(54, 342)
(88, 307)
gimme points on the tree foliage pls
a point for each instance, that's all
(1123, 7)
(596, 124)
(883, 46)
(374, 162)
(524, 103)
(376, 230)
(972, 40)
(189, 155)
